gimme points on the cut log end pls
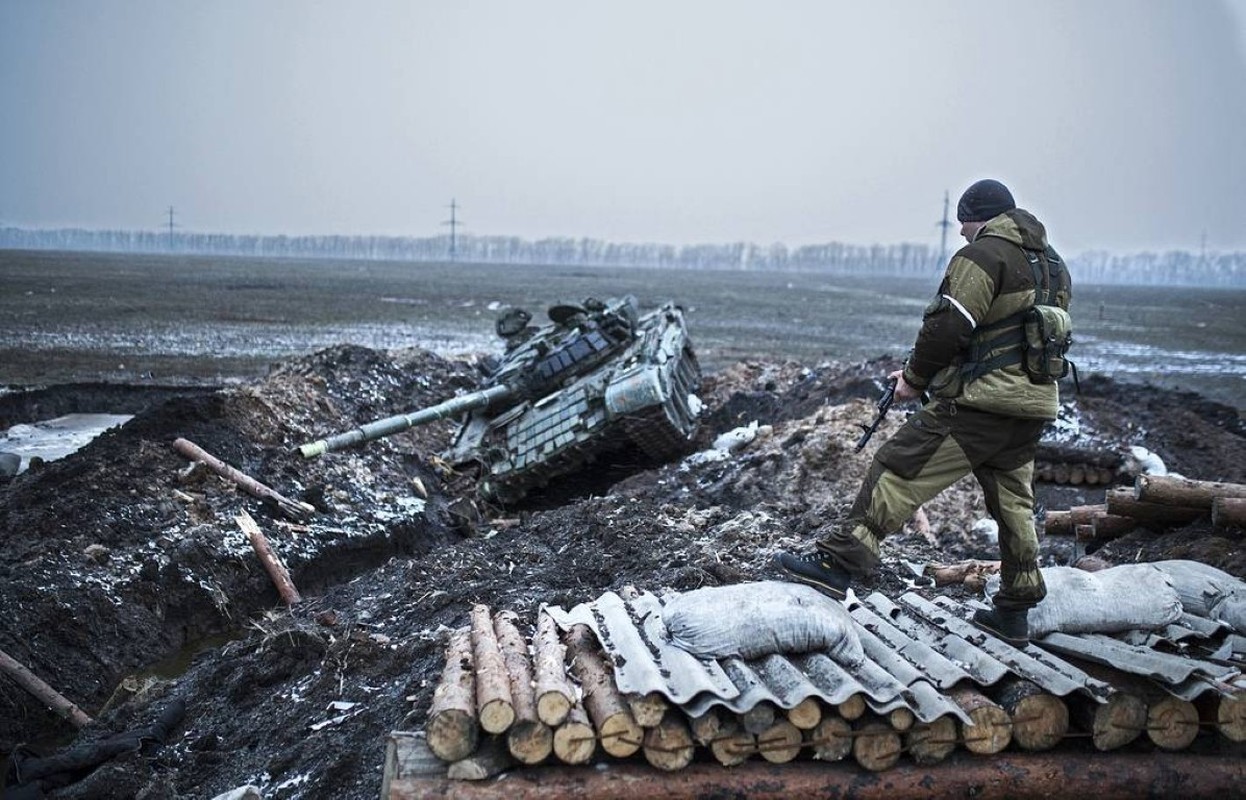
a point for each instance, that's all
(530, 742)
(552, 708)
(621, 736)
(496, 716)
(668, 746)
(931, 742)
(574, 742)
(1172, 723)
(876, 746)
(779, 743)
(452, 734)
(734, 749)
(806, 714)
(832, 739)
(1039, 722)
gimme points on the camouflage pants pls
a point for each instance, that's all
(936, 447)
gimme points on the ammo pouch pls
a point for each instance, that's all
(1048, 334)
(1037, 338)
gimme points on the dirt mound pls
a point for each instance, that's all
(126, 583)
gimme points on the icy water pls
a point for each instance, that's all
(81, 317)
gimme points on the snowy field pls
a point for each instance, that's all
(70, 317)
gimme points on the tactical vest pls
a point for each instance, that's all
(1037, 338)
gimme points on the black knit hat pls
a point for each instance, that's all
(985, 199)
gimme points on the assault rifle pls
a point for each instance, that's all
(884, 405)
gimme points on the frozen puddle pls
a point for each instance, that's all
(52, 439)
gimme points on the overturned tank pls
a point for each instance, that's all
(599, 376)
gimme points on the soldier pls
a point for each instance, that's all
(989, 399)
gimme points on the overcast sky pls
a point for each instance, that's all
(1121, 123)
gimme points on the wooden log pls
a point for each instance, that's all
(931, 742)
(852, 708)
(707, 727)
(648, 710)
(668, 745)
(1231, 717)
(529, 740)
(806, 714)
(1042, 471)
(875, 746)
(1039, 719)
(1084, 533)
(1052, 452)
(1107, 475)
(273, 565)
(1111, 526)
(1060, 473)
(452, 730)
(832, 739)
(1228, 512)
(1113, 724)
(1063, 523)
(554, 695)
(1174, 491)
(1010, 775)
(494, 707)
(32, 683)
(295, 510)
(574, 740)
(758, 718)
(1172, 723)
(617, 730)
(1077, 474)
(900, 719)
(780, 743)
(991, 729)
(490, 759)
(1124, 502)
(734, 748)
(952, 574)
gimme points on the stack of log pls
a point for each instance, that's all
(1155, 502)
(1056, 463)
(496, 705)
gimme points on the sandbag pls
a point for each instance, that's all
(1208, 592)
(1123, 598)
(757, 619)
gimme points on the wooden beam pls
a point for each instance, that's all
(1123, 776)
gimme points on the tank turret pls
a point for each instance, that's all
(597, 377)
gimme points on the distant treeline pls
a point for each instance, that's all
(1170, 268)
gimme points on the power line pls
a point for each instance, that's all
(454, 224)
(944, 223)
(171, 227)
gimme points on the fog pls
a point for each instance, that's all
(1120, 123)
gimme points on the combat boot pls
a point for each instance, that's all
(1011, 626)
(818, 570)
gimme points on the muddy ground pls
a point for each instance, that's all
(126, 583)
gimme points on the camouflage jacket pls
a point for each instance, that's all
(987, 280)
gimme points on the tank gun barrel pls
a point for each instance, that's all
(400, 422)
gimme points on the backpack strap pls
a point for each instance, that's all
(1008, 333)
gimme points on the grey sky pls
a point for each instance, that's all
(1121, 123)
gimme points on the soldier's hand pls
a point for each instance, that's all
(904, 392)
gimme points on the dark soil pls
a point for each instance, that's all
(126, 583)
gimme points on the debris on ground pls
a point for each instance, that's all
(127, 585)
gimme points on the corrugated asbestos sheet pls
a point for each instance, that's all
(914, 647)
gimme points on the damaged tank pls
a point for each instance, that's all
(599, 376)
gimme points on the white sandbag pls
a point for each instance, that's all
(756, 619)
(1123, 598)
(1208, 592)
